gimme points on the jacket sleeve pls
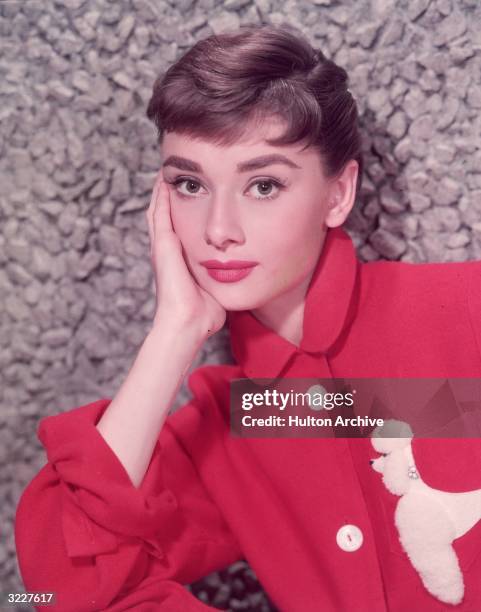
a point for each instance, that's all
(86, 533)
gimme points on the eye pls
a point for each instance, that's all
(190, 183)
(267, 183)
(265, 187)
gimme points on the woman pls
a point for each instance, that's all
(133, 503)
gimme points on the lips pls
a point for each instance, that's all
(233, 264)
(228, 271)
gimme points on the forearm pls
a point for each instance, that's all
(133, 420)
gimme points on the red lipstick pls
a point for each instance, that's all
(228, 271)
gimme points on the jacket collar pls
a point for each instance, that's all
(262, 353)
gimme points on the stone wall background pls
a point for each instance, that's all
(77, 165)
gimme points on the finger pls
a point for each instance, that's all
(162, 220)
(150, 209)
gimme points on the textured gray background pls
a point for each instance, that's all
(78, 160)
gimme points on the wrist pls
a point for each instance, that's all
(176, 328)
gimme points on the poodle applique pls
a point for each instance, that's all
(427, 519)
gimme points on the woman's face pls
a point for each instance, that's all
(273, 214)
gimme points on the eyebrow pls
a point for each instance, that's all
(189, 165)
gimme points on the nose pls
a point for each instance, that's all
(371, 461)
(222, 225)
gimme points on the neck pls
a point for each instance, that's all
(285, 313)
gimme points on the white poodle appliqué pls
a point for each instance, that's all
(427, 519)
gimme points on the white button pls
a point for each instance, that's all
(349, 538)
(315, 390)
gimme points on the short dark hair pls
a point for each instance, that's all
(226, 81)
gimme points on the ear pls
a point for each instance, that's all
(342, 194)
(395, 473)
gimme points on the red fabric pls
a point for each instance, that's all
(209, 498)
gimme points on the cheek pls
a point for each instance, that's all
(296, 241)
(185, 226)
(302, 222)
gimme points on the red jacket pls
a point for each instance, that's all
(289, 506)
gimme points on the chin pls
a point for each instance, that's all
(233, 304)
(239, 299)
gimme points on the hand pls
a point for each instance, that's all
(179, 297)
